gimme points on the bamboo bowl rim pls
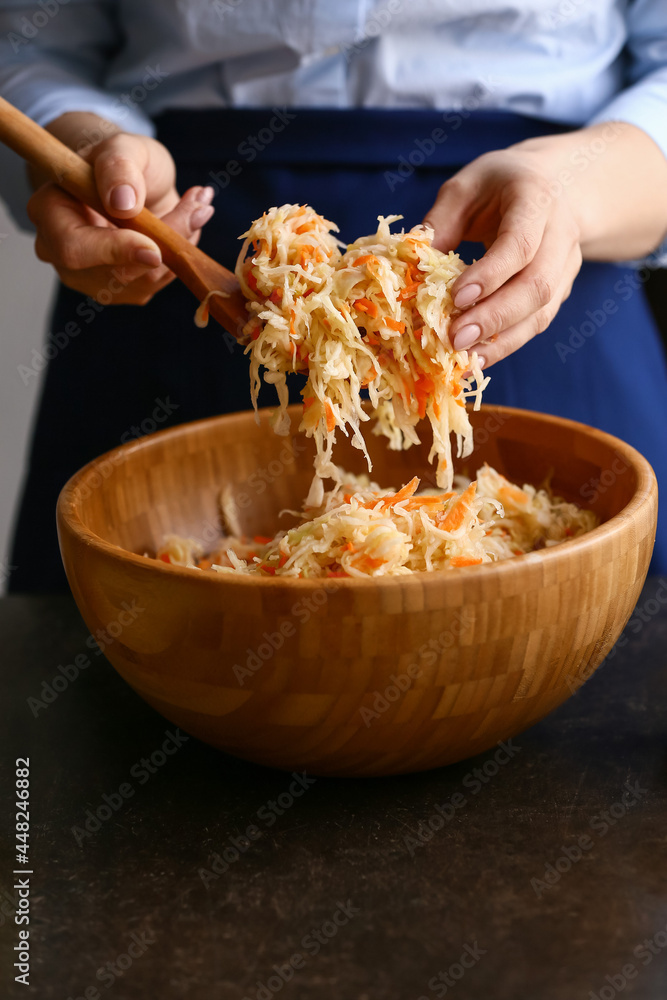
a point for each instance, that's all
(68, 510)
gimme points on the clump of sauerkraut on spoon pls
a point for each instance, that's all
(375, 317)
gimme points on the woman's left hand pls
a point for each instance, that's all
(505, 200)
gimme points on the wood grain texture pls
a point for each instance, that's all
(348, 676)
(199, 272)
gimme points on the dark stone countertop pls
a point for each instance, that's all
(343, 860)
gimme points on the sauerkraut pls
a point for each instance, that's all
(360, 530)
(372, 320)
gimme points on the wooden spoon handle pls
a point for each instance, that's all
(196, 269)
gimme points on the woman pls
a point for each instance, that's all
(536, 129)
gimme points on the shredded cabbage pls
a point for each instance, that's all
(361, 530)
(374, 318)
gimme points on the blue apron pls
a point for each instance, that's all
(117, 372)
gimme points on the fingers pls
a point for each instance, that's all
(519, 235)
(534, 290)
(192, 212)
(119, 174)
(106, 263)
(501, 345)
(449, 216)
(66, 239)
(119, 285)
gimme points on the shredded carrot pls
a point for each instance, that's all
(368, 258)
(366, 563)
(331, 419)
(423, 389)
(204, 563)
(308, 402)
(306, 254)
(262, 539)
(276, 296)
(394, 324)
(415, 503)
(513, 494)
(403, 494)
(463, 561)
(252, 280)
(366, 306)
(165, 557)
(455, 517)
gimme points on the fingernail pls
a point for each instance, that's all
(123, 198)
(205, 196)
(149, 257)
(466, 296)
(466, 337)
(481, 360)
(202, 215)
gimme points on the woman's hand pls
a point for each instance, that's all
(539, 207)
(89, 253)
(533, 251)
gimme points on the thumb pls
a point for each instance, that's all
(448, 218)
(119, 175)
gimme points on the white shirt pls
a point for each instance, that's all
(574, 61)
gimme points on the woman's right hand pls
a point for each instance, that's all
(88, 252)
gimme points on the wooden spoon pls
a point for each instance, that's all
(196, 269)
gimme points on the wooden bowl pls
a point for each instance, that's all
(349, 676)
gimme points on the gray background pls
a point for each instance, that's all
(26, 287)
